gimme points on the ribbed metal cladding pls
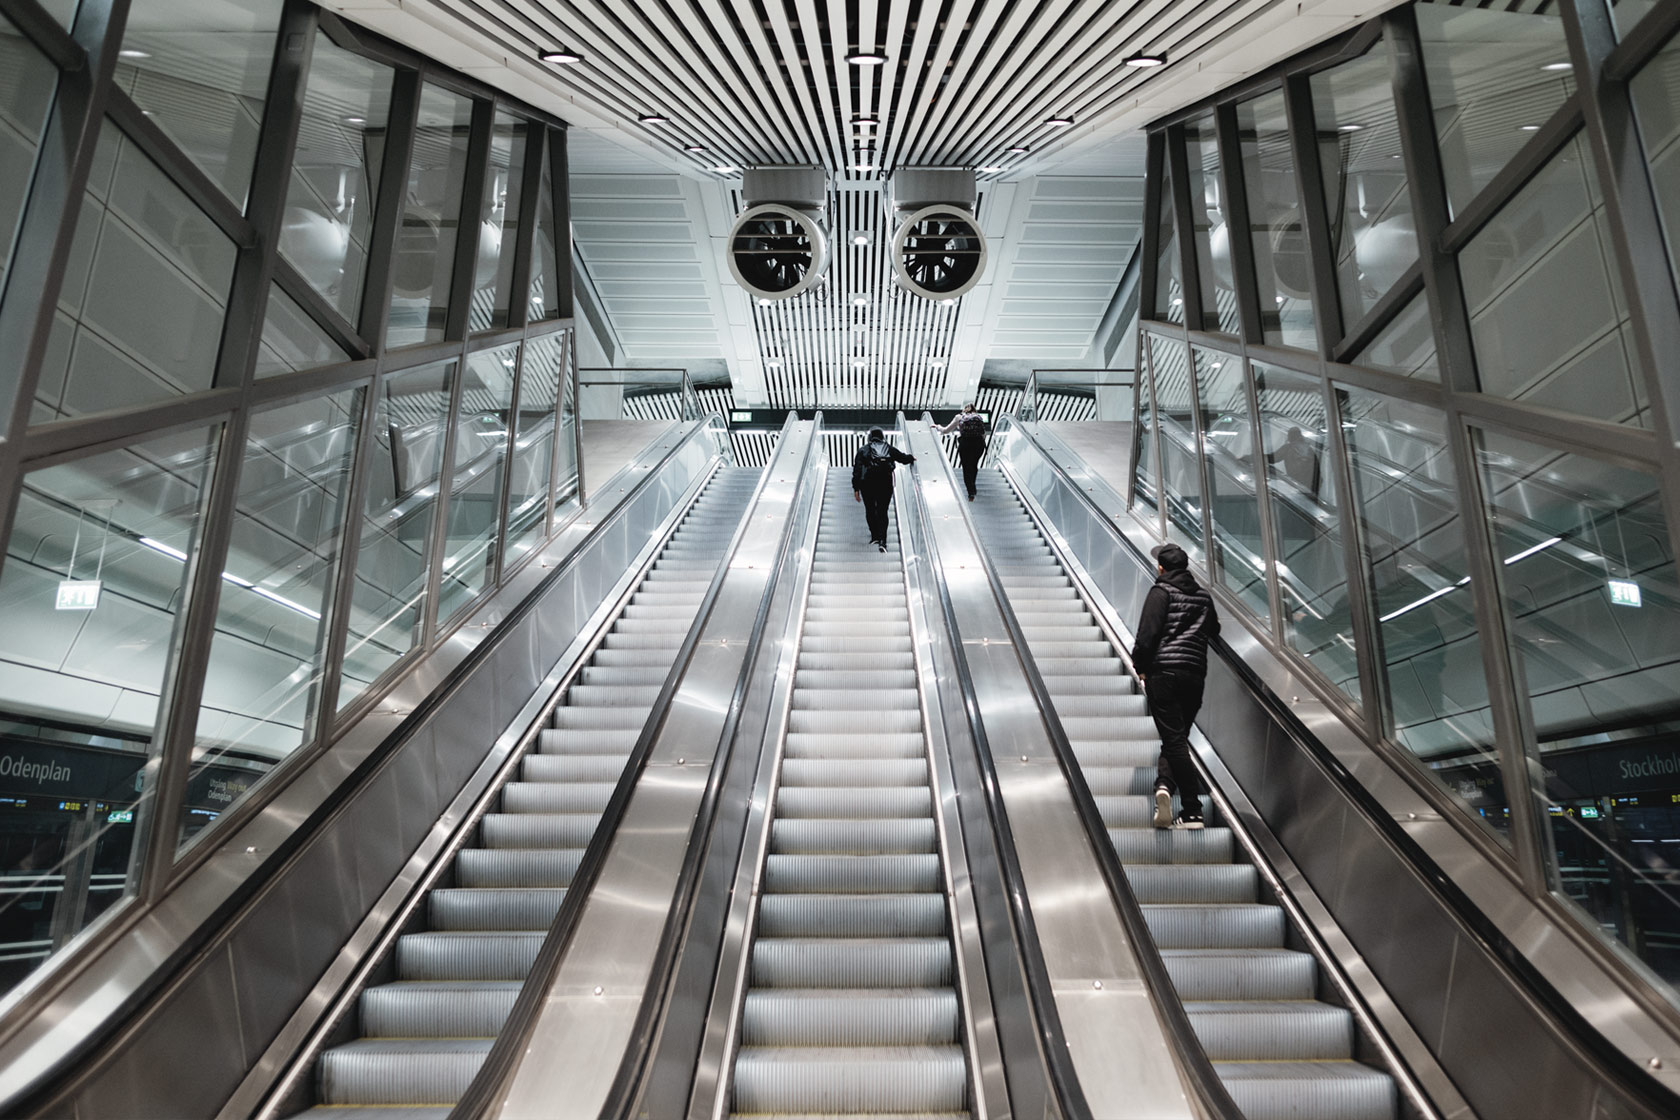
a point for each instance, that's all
(425, 1034)
(850, 1009)
(1250, 998)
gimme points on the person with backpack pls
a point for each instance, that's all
(1170, 656)
(970, 427)
(872, 480)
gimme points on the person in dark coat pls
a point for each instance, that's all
(1170, 655)
(872, 475)
(970, 427)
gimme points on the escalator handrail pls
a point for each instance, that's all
(502, 1062)
(1063, 1077)
(1194, 1064)
(632, 1070)
(1622, 1072)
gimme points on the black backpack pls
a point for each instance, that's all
(878, 464)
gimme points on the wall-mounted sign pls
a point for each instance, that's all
(78, 594)
(1625, 593)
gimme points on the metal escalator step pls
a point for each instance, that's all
(807, 720)
(855, 803)
(1110, 729)
(863, 680)
(516, 867)
(638, 696)
(854, 773)
(572, 767)
(843, 700)
(851, 915)
(418, 1009)
(883, 615)
(1272, 1030)
(906, 744)
(556, 797)
(537, 830)
(1193, 882)
(860, 837)
(665, 642)
(1069, 649)
(850, 600)
(455, 909)
(670, 627)
(897, 660)
(865, 643)
(1092, 704)
(602, 719)
(1309, 1090)
(1215, 925)
(846, 1017)
(1110, 687)
(1061, 633)
(627, 674)
(1124, 810)
(850, 1079)
(1128, 752)
(1171, 845)
(1073, 668)
(1121, 781)
(852, 874)
(855, 629)
(653, 655)
(383, 1112)
(1227, 974)
(588, 740)
(400, 1071)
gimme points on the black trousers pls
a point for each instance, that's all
(970, 452)
(876, 501)
(1174, 700)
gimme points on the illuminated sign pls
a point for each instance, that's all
(1625, 593)
(120, 816)
(77, 594)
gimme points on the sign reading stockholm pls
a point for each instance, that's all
(1653, 765)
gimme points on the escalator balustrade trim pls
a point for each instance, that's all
(424, 1034)
(1281, 1053)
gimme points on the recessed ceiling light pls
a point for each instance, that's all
(1558, 66)
(1350, 128)
(1018, 150)
(653, 118)
(989, 170)
(863, 167)
(1059, 122)
(724, 169)
(561, 57)
(947, 303)
(1145, 61)
(860, 301)
(764, 302)
(130, 52)
(866, 58)
(695, 148)
(772, 363)
(355, 120)
(860, 326)
(860, 364)
(865, 118)
(936, 363)
(1528, 128)
(861, 239)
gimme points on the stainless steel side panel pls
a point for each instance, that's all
(274, 959)
(588, 1014)
(1128, 1071)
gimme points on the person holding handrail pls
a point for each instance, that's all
(970, 427)
(1170, 656)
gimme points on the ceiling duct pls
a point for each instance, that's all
(778, 247)
(938, 252)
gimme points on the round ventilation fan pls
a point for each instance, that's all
(776, 251)
(939, 253)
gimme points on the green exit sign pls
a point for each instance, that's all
(1625, 593)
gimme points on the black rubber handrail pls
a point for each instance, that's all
(75, 1061)
(632, 1070)
(1040, 990)
(502, 1062)
(1194, 1063)
(1624, 1074)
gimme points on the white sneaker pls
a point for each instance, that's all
(1189, 822)
(1163, 807)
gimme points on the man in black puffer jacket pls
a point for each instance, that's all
(1170, 654)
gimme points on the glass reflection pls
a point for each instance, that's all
(335, 174)
(27, 82)
(533, 444)
(1431, 652)
(566, 467)
(1407, 345)
(1229, 446)
(1306, 523)
(1368, 204)
(1546, 310)
(265, 663)
(140, 313)
(1169, 285)
(388, 600)
(475, 492)
(291, 340)
(545, 253)
(94, 578)
(1628, 13)
(1656, 105)
(199, 70)
(1274, 212)
(498, 224)
(1181, 472)
(1588, 583)
(424, 259)
(1144, 467)
(1495, 76)
(1211, 228)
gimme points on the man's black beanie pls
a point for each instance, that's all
(1170, 557)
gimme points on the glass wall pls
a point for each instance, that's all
(278, 508)
(1497, 594)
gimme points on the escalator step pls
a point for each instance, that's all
(409, 1009)
(854, 804)
(1211, 926)
(572, 767)
(830, 772)
(513, 867)
(907, 744)
(1193, 882)
(1309, 1090)
(846, 1017)
(1259, 1030)
(400, 1071)
(850, 874)
(493, 908)
(537, 830)
(814, 962)
(1227, 974)
(850, 1079)
(862, 837)
(1171, 845)
(467, 956)
(807, 721)
(851, 915)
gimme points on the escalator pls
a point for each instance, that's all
(850, 1004)
(422, 1036)
(1251, 997)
